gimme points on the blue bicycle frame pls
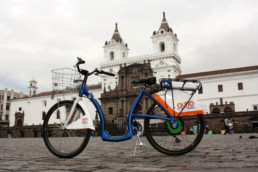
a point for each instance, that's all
(129, 133)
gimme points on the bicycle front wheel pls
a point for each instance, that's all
(63, 142)
(174, 140)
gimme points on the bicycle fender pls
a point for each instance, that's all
(88, 120)
(84, 122)
(180, 98)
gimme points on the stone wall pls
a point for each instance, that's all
(20, 132)
(243, 122)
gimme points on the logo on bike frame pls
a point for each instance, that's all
(189, 105)
(84, 120)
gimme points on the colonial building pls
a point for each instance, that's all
(228, 90)
(32, 110)
(5, 105)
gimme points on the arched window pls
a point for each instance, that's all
(162, 46)
(112, 55)
(228, 110)
(216, 110)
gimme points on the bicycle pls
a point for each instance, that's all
(67, 126)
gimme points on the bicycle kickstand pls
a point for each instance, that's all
(138, 142)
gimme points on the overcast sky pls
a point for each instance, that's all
(37, 36)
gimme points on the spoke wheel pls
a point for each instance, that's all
(63, 142)
(174, 140)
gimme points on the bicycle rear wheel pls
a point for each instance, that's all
(64, 143)
(173, 140)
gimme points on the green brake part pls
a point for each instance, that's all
(176, 130)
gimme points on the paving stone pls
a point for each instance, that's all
(215, 153)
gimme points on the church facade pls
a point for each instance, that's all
(165, 61)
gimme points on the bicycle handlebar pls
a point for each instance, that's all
(107, 73)
(85, 72)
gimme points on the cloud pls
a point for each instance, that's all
(38, 36)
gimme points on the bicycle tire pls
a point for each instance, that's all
(64, 143)
(175, 143)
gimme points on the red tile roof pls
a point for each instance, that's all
(91, 87)
(217, 72)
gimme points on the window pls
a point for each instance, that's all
(255, 107)
(43, 115)
(146, 74)
(6, 117)
(7, 107)
(20, 108)
(228, 110)
(112, 55)
(162, 46)
(216, 110)
(58, 114)
(44, 103)
(220, 88)
(200, 91)
(8, 98)
(240, 86)
(110, 110)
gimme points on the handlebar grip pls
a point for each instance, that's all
(80, 61)
(107, 73)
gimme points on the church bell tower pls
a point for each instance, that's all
(115, 49)
(33, 88)
(164, 40)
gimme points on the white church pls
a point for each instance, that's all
(223, 90)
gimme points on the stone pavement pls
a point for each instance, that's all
(215, 153)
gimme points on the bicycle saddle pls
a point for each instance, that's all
(149, 81)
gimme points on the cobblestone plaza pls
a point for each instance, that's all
(217, 153)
